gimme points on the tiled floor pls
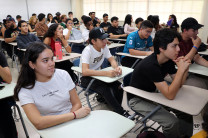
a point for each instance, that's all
(131, 134)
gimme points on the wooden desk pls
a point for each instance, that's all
(204, 52)
(198, 69)
(98, 124)
(71, 56)
(115, 45)
(189, 99)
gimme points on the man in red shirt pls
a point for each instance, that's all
(188, 48)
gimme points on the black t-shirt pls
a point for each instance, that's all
(149, 71)
(174, 26)
(116, 31)
(58, 20)
(8, 32)
(3, 62)
(95, 22)
(103, 24)
(75, 21)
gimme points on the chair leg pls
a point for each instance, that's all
(22, 121)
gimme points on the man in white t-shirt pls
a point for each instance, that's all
(91, 60)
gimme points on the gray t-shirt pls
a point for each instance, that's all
(52, 97)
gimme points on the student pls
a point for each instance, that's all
(7, 125)
(75, 20)
(24, 38)
(89, 26)
(18, 18)
(57, 18)
(95, 20)
(188, 48)
(105, 24)
(116, 31)
(91, 60)
(32, 22)
(138, 43)
(71, 33)
(155, 21)
(82, 26)
(55, 33)
(128, 27)
(41, 27)
(47, 95)
(63, 21)
(50, 19)
(10, 35)
(203, 133)
(138, 22)
(149, 74)
(174, 25)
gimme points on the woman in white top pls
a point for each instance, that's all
(128, 27)
(46, 94)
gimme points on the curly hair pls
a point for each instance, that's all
(31, 20)
(51, 30)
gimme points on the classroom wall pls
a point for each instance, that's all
(25, 8)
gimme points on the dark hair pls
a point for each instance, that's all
(62, 16)
(114, 18)
(174, 19)
(87, 19)
(146, 24)
(90, 13)
(105, 14)
(138, 20)
(83, 16)
(34, 14)
(18, 16)
(51, 30)
(163, 37)
(127, 19)
(155, 21)
(27, 75)
(68, 20)
(48, 16)
(20, 22)
(149, 17)
(70, 12)
(41, 16)
(9, 16)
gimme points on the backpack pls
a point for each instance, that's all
(144, 133)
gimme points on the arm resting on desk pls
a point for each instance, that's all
(5, 74)
(200, 60)
(170, 91)
(9, 40)
(117, 36)
(74, 99)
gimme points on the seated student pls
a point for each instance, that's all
(7, 125)
(189, 46)
(91, 60)
(174, 25)
(10, 35)
(95, 20)
(149, 75)
(116, 31)
(156, 26)
(46, 94)
(71, 33)
(41, 28)
(50, 19)
(55, 33)
(32, 22)
(138, 43)
(128, 27)
(203, 133)
(75, 20)
(138, 22)
(105, 24)
(24, 38)
(82, 26)
(57, 18)
(89, 26)
(63, 21)
(18, 18)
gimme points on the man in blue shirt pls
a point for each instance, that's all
(138, 43)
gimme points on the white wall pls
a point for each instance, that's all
(15, 7)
